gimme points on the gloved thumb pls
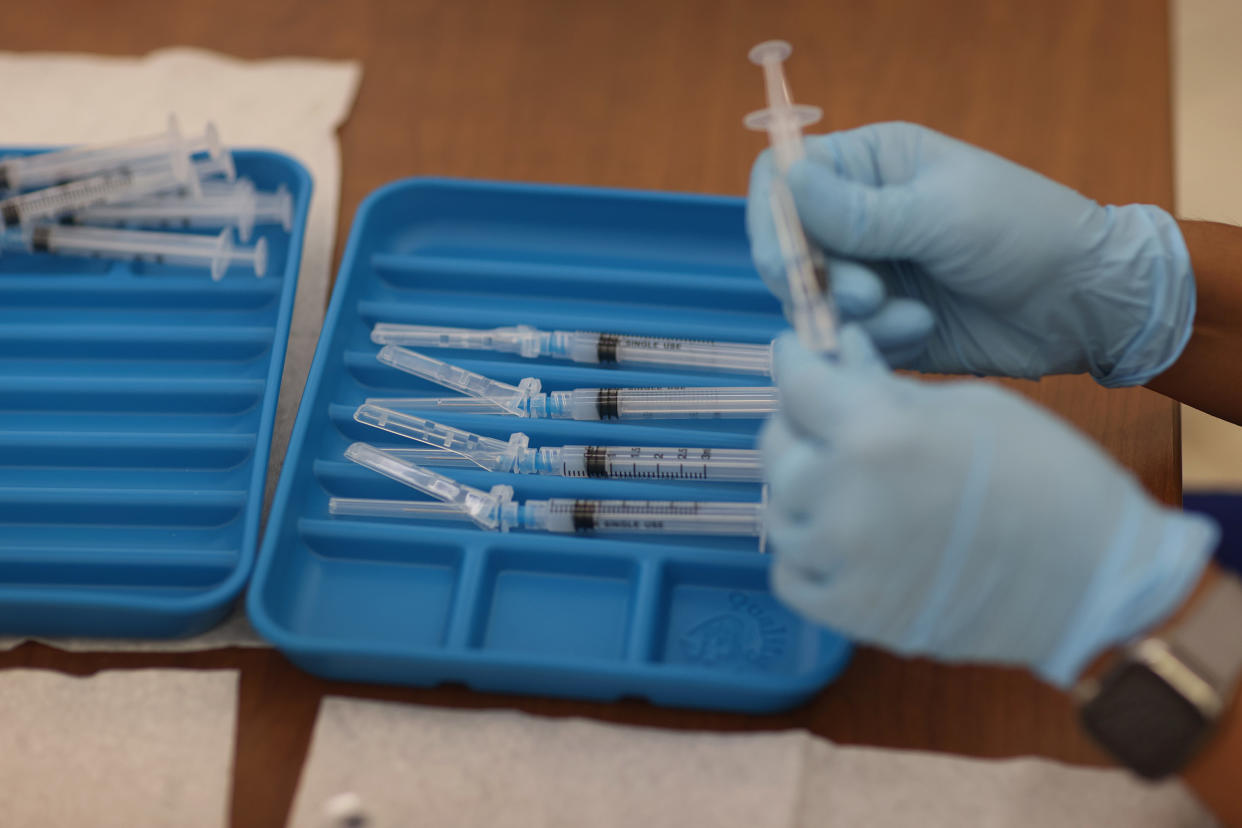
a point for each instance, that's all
(818, 391)
(856, 288)
(854, 219)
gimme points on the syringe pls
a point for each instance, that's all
(206, 169)
(586, 346)
(458, 447)
(235, 205)
(214, 252)
(497, 511)
(810, 301)
(51, 168)
(490, 396)
(106, 188)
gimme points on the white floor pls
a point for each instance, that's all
(1207, 137)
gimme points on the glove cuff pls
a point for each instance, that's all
(1152, 564)
(1159, 258)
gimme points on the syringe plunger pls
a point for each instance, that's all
(214, 252)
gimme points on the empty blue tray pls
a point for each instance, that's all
(136, 411)
(687, 622)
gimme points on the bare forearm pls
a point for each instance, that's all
(1208, 375)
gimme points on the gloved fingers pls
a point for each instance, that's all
(788, 459)
(900, 329)
(816, 393)
(876, 154)
(832, 598)
(800, 588)
(775, 438)
(797, 477)
(793, 545)
(856, 354)
(857, 290)
(905, 357)
(833, 532)
(853, 219)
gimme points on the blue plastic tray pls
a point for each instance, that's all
(136, 413)
(688, 622)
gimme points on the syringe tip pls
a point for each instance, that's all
(227, 166)
(770, 50)
(211, 137)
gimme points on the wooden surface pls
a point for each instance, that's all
(650, 95)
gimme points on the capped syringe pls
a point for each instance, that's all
(811, 307)
(217, 252)
(50, 203)
(458, 447)
(60, 166)
(497, 511)
(233, 205)
(486, 395)
(586, 346)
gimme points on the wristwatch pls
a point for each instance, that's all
(1156, 707)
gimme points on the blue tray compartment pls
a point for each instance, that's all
(685, 622)
(136, 411)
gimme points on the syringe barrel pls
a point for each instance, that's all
(605, 348)
(53, 202)
(655, 463)
(237, 208)
(50, 168)
(612, 462)
(658, 517)
(664, 403)
(107, 188)
(214, 252)
(814, 318)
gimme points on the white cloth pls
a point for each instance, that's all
(409, 765)
(233, 631)
(294, 105)
(120, 748)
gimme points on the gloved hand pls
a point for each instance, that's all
(898, 327)
(1023, 276)
(959, 521)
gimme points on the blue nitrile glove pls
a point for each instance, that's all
(898, 327)
(1024, 276)
(959, 521)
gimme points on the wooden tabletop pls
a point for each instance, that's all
(649, 94)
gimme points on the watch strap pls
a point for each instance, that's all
(1209, 639)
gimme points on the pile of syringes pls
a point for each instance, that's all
(84, 201)
(444, 445)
